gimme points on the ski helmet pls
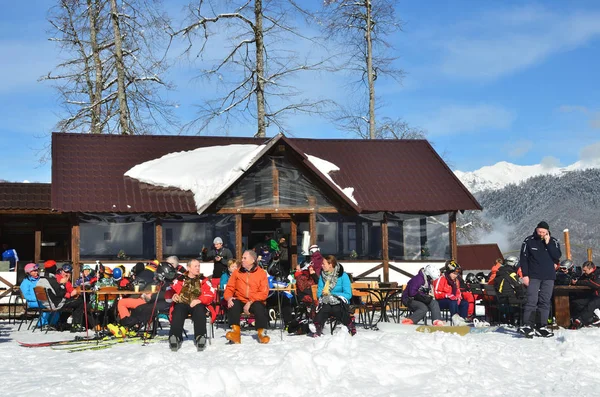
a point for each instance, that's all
(567, 264)
(452, 266)
(67, 268)
(87, 267)
(31, 267)
(165, 272)
(108, 272)
(117, 273)
(511, 261)
(431, 271)
(481, 277)
(471, 279)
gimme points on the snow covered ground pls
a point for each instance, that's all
(373, 363)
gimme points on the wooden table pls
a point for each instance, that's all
(562, 306)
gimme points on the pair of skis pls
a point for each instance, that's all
(81, 344)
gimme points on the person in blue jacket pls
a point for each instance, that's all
(539, 253)
(334, 292)
(32, 276)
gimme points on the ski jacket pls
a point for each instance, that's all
(56, 291)
(220, 267)
(418, 285)
(493, 272)
(27, 286)
(248, 285)
(342, 286)
(11, 256)
(507, 284)
(538, 258)
(591, 280)
(304, 282)
(444, 289)
(223, 281)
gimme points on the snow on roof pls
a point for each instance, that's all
(325, 167)
(207, 172)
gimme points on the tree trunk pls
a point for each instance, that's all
(120, 68)
(96, 108)
(370, 72)
(260, 70)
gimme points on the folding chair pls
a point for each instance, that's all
(332, 320)
(28, 312)
(46, 306)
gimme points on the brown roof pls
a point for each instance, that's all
(387, 175)
(24, 196)
(478, 256)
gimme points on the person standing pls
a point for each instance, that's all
(220, 256)
(539, 253)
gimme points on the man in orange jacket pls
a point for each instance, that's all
(247, 290)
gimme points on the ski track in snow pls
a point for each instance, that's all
(373, 363)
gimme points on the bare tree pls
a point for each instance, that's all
(361, 27)
(110, 80)
(256, 70)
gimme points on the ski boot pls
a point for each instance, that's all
(200, 342)
(174, 343)
(234, 336)
(262, 336)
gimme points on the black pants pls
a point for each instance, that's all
(587, 313)
(76, 305)
(180, 313)
(257, 308)
(144, 313)
(338, 311)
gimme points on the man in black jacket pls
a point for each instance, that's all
(539, 253)
(584, 308)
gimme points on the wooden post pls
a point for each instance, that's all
(38, 246)
(567, 244)
(293, 245)
(423, 239)
(275, 173)
(158, 234)
(384, 250)
(589, 252)
(312, 219)
(75, 243)
(238, 236)
(452, 237)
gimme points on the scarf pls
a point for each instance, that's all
(190, 290)
(329, 280)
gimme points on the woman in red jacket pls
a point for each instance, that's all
(447, 292)
(191, 295)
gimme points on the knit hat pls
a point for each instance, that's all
(217, 240)
(49, 263)
(313, 248)
(543, 225)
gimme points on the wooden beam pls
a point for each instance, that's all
(293, 244)
(567, 244)
(312, 219)
(452, 235)
(385, 250)
(275, 174)
(273, 210)
(371, 270)
(75, 246)
(423, 232)
(158, 234)
(238, 236)
(589, 254)
(404, 272)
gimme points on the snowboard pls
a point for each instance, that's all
(460, 330)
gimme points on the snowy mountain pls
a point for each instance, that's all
(501, 174)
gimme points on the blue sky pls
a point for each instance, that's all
(490, 81)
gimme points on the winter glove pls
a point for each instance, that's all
(342, 298)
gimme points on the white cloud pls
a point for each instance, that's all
(592, 115)
(550, 162)
(519, 148)
(590, 153)
(501, 43)
(458, 119)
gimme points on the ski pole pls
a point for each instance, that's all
(160, 285)
(84, 305)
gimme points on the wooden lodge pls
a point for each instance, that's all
(382, 207)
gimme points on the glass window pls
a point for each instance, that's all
(418, 237)
(186, 235)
